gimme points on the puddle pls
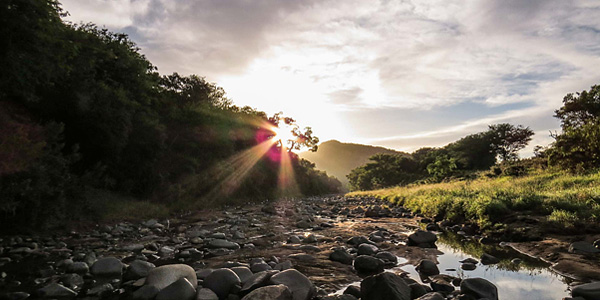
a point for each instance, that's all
(531, 279)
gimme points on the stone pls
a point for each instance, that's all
(387, 257)
(300, 286)
(488, 259)
(416, 290)
(138, 269)
(423, 239)
(432, 296)
(146, 292)
(311, 238)
(206, 294)
(468, 266)
(284, 265)
(255, 281)
(100, 290)
(55, 290)
(342, 256)
(163, 276)
(302, 257)
(294, 239)
(357, 240)
(386, 285)
(107, 267)
(587, 291)
(223, 282)
(427, 268)
(470, 260)
(259, 267)
(221, 243)
(134, 248)
(367, 249)
(272, 292)
(202, 273)
(242, 272)
(181, 289)
(440, 285)
(368, 265)
(583, 247)
(479, 288)
(353, 290)
(78, 267)
(72, 281)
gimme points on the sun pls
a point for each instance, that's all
(283, 133)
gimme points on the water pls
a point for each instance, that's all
(532, 279)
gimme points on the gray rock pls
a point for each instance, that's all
(272, 292)
(255, 281)
(100, 290)
(342, 256)
(300, 286)
(386, 285)
(223, 282)
(468, 266)
(78, 267)
(367, 249)
(134, 248)
(427, 268)
(587, 291)
(311, 238)
(432, 296)
(352, 290)
(294, 239)
(146, 292)
(583, 247)
(163, 276)
(357, 240)
(138, 269)
(202, 273)
(423, 239)
(17, 296)
(107, 267)
(441, 285)
(488, 259)
(55, 290)
(72, 281)
(302, 257)
(387, 257)
(242, 272)
(470, 260)
(166, 251)
(479, 288)
(368, 265)
(181, 289)
(221, 243)
(284, 265)
(206, 294)
(259, 267)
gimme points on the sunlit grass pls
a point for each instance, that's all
(560, 196)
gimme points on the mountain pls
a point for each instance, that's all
(338, 159)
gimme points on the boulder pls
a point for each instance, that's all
(138, 269)
(488, 259)
(300, 286)
(223, 282)
(386, 285)
(367, 249)
(479, 288)
(423, 239)
(147, 292)
(587, 291)
(163, 276)
(221, 243)
(55, 290)
(387, 257)
(342, 256)
(181, 289)
(242, 272)
(272, 292)
(206, 294)
(107, 267)
(468, 266)
(583, 247)
(427, 268)
(357, 240)
(365, 264)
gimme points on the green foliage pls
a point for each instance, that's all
(507, 140)
(442, 167)
(384, 170)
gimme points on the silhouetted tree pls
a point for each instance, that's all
(508, 139)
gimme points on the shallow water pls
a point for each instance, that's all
(532, 279)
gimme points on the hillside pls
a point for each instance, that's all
(338, 159)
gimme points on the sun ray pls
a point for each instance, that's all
(286, 183)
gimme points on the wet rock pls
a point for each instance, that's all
(55, 290)
(423, 239)
(427, 268)
(470, 260)
(432, 227)
(340, 255)
(220, 243)
(300, 286)
(387, 257)
(365, 264)
(587, 291)
(146, 292)
(479, 288)
(134, 248)
(384, 286)
(223, 282)
(432, 296)
(468, 266)
(353, 290)
(272, 292)
(488, 259)
(163, 276)
(181, 289)
(442, 286)
(107, 267)
(583, 247)
(138, 269)
(166, 251)
(367, 249)
(206, 294)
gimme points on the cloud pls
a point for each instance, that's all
(346, 96)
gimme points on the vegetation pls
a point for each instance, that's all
(83, 112)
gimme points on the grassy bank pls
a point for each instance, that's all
(563, 199)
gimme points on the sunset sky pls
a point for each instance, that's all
(399, 74)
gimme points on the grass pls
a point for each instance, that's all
(566, 199)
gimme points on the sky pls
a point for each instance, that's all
(398, 74)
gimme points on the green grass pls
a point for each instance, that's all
(565, 199)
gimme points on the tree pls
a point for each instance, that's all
(508, 139)
(292, 136)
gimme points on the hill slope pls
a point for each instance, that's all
(338, 159)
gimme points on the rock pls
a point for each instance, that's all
(423, 239)
(181, 289)
(368, 265)
(386, 285)
(72, 281)
(202, 273)
(342, 256)
(440, 285)
(163, 276)
(387, 257)
(242, 272)
(367, 249)
(468, 266)
(479, 288)
(294, 239)
(300, 286)
(432, 296)
(311, 238)
(487, 259)
(259, 267)
(100, 290)
(220, 243)
(223, 282)
(284, 265)
(516, 261)
(255, 281)
(146, 292)
(587, 291)
(416, 290)
(583, 247)
(427, 268)
(107, 267)
(353, 290)
(166, 251)
(78, 267)
(134, 248)
(55, 290)
(272, 292)
(17, 296)
(138, 269)
(357, 240)
(206, 294)
(302, 257)
(432, 227)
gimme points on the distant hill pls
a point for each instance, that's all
(338, 159)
